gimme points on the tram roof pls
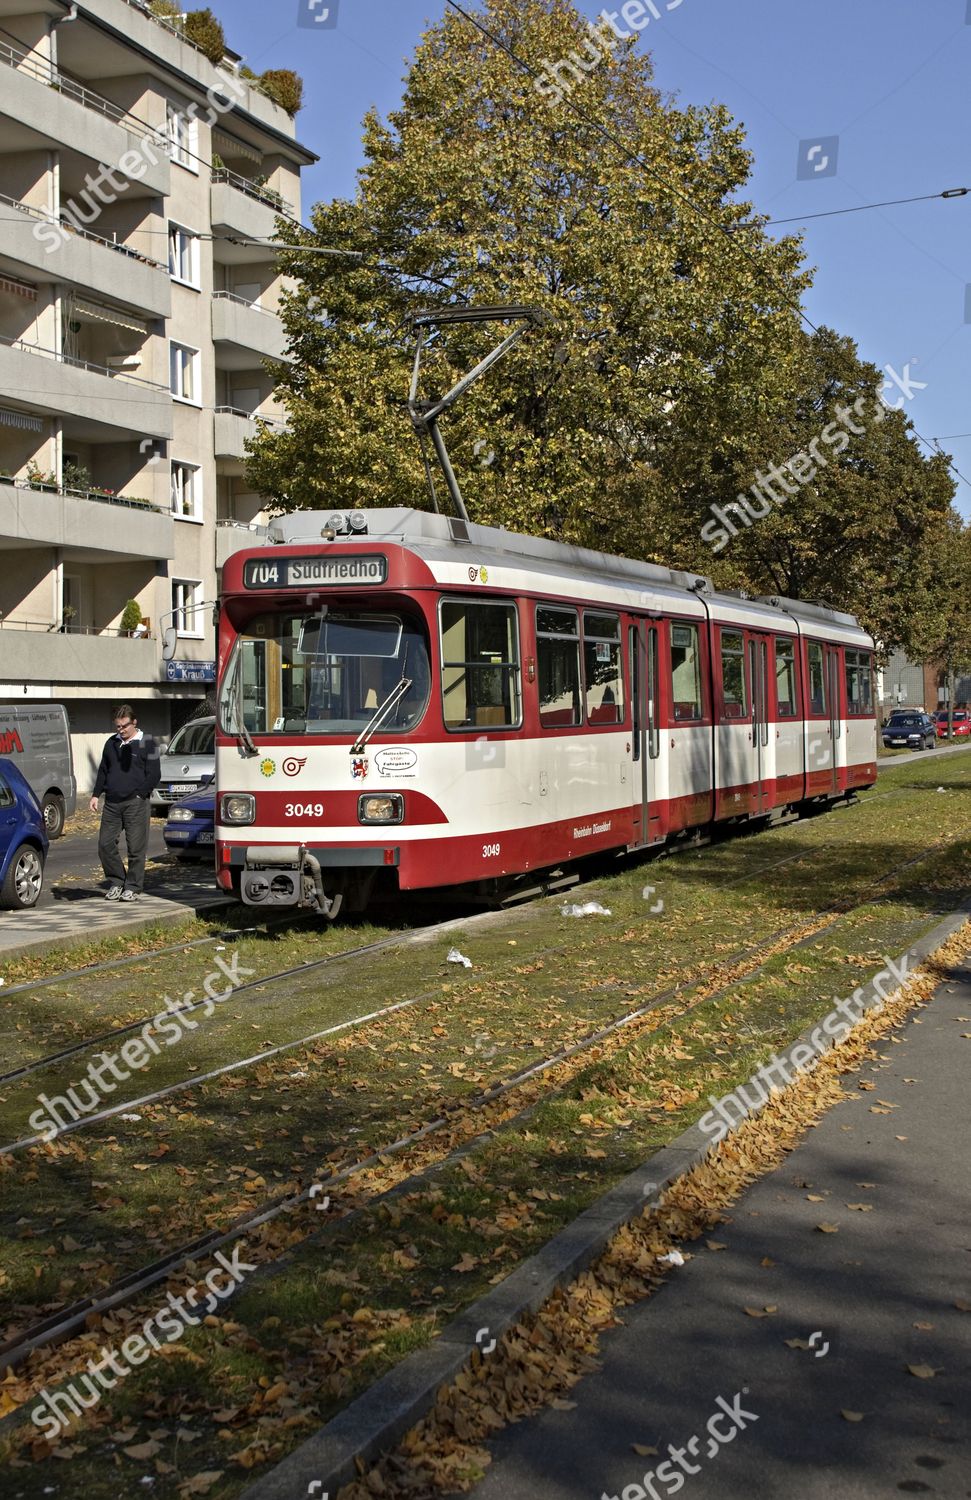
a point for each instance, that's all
(432, 536)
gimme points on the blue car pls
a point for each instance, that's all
(189, 828)
(23, 841)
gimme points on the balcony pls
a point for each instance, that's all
(243, 333)
(60, 113)
(103, 530)
(39, 656)
(241, 207)
(86, 260)
(111, 405)
(231, 429)
(234, 536)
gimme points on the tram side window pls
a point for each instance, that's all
(734, 694)
(480, 665)
(859, 683)
(785, 677)
(817, 679)
(601, 668)
(685, 672)
(558, 666)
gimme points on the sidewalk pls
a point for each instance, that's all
(878, 1294)
(79, 913)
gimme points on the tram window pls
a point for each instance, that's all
(685, 672)
(601, 668)
(785, 677)
(817, 679)
(859, 683)
(558, 666)
(480, 665)
(734, 694)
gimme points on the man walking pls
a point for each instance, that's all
(128, 771)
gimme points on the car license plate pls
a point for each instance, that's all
(205, 838)
(182, 786)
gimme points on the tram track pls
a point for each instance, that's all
(60, 1326)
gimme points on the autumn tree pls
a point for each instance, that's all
(671, 364)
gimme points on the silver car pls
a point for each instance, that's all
(189, 761)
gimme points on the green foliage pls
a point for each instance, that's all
(671, 369)
(166, 10)
(284, 87)
(131, 615)
(203, 28)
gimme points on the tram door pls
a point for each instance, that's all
(650, 823)
(833, 676)
(824, 725)
(763, 772)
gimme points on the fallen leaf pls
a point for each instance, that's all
(143, 1450)
(924, 1327)
(644, 1450)
(558, 1404)
(467, 1263)
(900, 1137)
(201, 1484)
(814, 1197)
(797, 1343)
(962, 1305)
(923, 1372)
(864, 1208)
(767, 1262)
(851, 1416)
(762, 1312)
(715, 1245)
(828, 1228)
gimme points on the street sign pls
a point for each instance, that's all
(190, 671)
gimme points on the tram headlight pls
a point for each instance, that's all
(389, 808)
(237, 807)
(357, 520)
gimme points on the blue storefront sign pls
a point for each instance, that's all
(190, 671)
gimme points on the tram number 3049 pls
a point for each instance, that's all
(304, 809)
(489, 851)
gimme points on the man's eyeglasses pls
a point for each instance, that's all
(123, 723)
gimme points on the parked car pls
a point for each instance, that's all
(23, 840)
(188, 762)
(912, 730)
(39, 741)
(961, 724)
(189, 830)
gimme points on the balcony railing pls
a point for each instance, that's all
(253, 526)
(103, 497)
(250, 416)
(81, 364)
(49, 627)
(170, 23)
(254, 190)
(45, 72)
(84, 234)
(244, 302)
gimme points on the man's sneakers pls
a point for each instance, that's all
(129, 895)
(114, 893)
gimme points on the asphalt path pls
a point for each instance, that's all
(872, 1300)
(73, 860)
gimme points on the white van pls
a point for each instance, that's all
(38, 742)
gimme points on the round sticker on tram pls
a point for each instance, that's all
(397, 761)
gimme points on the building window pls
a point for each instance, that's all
(186, 492)
(734, 695)
(601, 668)
(183, 137)
(187, 607)
(785, 677)
(184, 372)
(685, 672)
(183, 255)
(480, 665)
(558, 666)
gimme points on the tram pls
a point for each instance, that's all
(409, 701)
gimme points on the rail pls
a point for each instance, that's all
(102, 497)
(51, 627)
(249, 416)
(267, 312)
(176, 27)
(265, 195)
(84, 234)
(45, 72)
(80, 364)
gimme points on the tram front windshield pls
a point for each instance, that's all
(312, 673)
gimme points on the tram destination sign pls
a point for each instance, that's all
(304, 572)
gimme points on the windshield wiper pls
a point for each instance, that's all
(380, 714)
(244, 742)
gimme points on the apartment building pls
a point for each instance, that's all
(139, 184)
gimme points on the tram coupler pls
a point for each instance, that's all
(286, 875)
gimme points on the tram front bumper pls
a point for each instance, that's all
(293, 874)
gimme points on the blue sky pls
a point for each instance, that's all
(888, 78)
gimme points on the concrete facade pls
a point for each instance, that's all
(133, 341)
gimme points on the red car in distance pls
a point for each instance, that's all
(961, 724)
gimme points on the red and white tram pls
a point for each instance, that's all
(407, 697)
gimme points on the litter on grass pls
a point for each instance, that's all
(587, 909)
(673, 1258)
(455, 957)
